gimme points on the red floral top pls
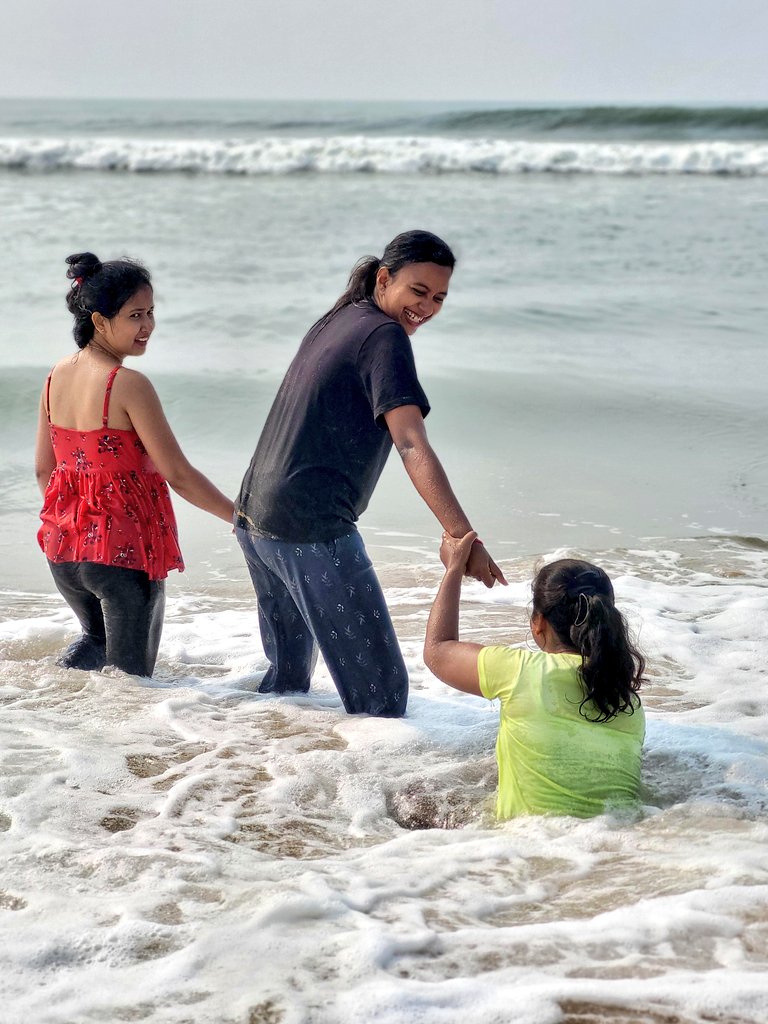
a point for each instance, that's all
(106, 502)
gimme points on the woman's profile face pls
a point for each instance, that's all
(413, 294)
(128, 332)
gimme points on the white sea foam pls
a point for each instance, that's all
(186, 849)
(383, 155)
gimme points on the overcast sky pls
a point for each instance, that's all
(615, 51)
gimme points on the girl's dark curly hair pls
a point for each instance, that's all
(576, 599)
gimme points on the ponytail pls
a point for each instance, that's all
(360, 286)
(576, 598)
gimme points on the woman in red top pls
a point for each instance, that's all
(104, 453)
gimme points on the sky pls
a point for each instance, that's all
(599, 51)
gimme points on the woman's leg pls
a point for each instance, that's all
(335, 588)
(286, 638)
(88, 652)
(359, 644)
(133, 606)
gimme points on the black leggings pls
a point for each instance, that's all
(121, 612)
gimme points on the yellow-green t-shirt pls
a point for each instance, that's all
(553, 760)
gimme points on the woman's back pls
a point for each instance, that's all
(105, 502)
(76, 396)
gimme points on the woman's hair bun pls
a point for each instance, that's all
(83, 265)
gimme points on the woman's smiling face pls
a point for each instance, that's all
(127, 333)
(413, 294)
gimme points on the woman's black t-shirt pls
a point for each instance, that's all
(325, 441)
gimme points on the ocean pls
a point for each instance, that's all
(186, 850)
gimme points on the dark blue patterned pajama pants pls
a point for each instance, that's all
(326, 595)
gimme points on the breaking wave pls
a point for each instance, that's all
(350, 154)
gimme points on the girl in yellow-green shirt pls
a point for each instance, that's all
(571, 724)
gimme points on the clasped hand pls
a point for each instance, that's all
(469, 554)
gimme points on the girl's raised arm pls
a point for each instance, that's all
(450, 659)
(143, 407)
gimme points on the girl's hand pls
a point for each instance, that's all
(449, 658)
(455, 552)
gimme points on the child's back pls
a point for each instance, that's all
(552, 759)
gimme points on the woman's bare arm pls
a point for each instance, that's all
(409, 436)
(45, 459)
(146, 414)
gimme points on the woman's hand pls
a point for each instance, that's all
(481, 566)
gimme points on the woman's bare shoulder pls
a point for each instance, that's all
(134, 382)
(66, 365)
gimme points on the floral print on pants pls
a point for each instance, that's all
(326, 595)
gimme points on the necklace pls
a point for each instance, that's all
(100, 348)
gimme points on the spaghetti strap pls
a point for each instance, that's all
(48, 397)
(107, 393)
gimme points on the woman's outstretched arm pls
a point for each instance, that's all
(450, 659)
(146, 414)
(409, 436)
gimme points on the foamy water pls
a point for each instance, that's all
(186, 849)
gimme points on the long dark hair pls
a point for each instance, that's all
(576, 599)
(406, 248)
(100, 288)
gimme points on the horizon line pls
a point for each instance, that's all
(314, 100)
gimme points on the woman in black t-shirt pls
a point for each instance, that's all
(350, 393)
